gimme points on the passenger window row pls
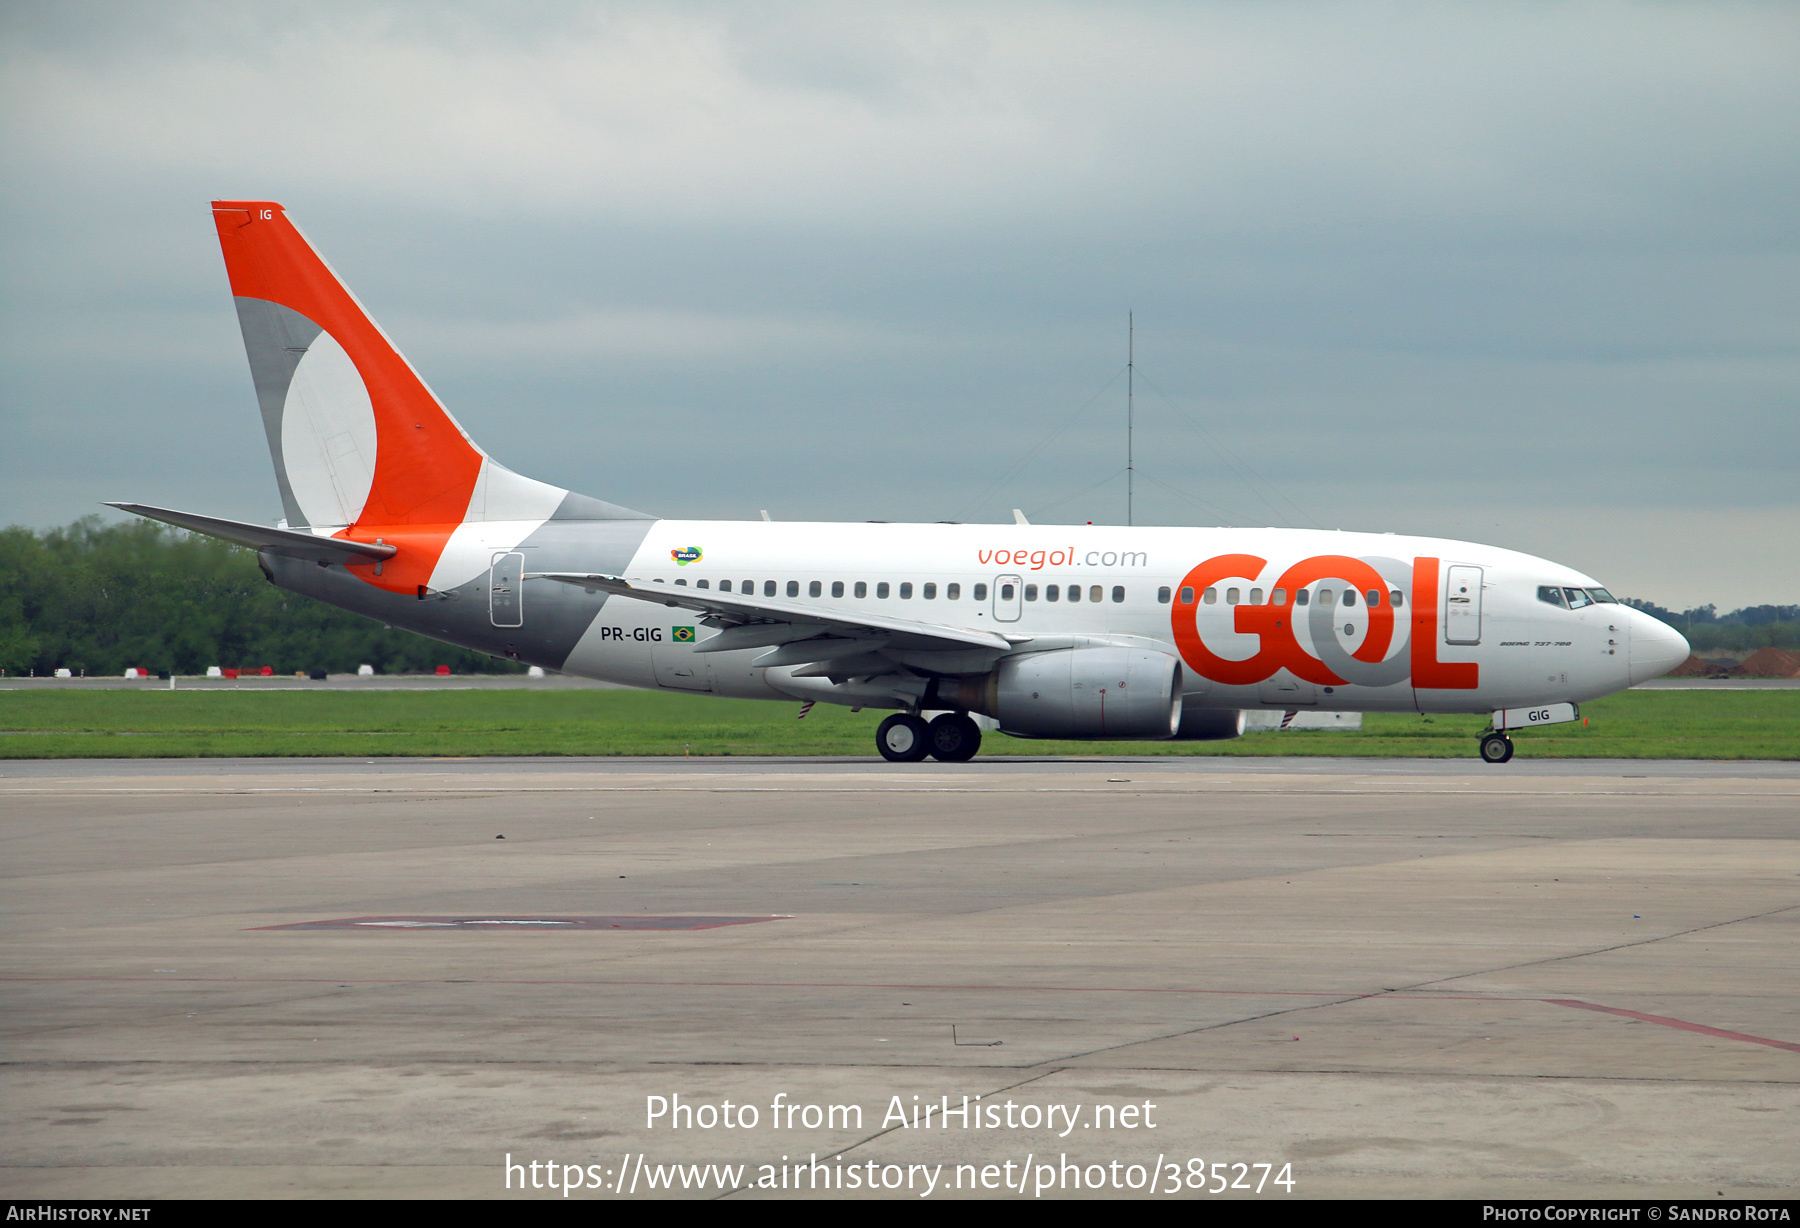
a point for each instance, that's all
(1072, 592)
(1327, 597)
(816, 588)
(927, 591)
(1568, 598)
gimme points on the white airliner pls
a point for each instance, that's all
(1048, 631)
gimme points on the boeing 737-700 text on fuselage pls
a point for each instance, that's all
(392, 511)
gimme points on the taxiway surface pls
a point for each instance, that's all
(1400, 977)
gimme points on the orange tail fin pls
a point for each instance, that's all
(358, 438)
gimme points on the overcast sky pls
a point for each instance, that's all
(1523, 273)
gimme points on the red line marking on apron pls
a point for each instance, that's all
(1677, 1023)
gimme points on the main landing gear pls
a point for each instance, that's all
(950, 738)
(1496, 747)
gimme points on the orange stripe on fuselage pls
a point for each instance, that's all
(425, 469)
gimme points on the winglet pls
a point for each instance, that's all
(1019, 517)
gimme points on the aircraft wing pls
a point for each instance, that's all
(295, 543)
(828, 641)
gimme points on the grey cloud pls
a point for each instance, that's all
(1410, 263)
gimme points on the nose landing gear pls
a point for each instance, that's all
(1496, 747)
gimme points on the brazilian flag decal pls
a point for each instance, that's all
(682, 635)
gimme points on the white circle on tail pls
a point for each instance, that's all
(328, 436)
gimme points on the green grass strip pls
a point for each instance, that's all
(181, 724)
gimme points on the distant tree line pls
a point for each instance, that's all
(1745, 630)
(104, 598)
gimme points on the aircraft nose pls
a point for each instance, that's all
(1656, 647)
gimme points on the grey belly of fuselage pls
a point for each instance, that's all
(555, 616)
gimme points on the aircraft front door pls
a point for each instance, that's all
(1462, 606)
(1007, 598)
(506, 605)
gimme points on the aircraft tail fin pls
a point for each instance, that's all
(360, 443)
(356, 435)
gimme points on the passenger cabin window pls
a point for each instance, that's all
(1373, 596)
(683, 583)
(702, 583)
(1187, 596)
(1162, 596)
(952, 592)
(1231, 596)
(1396, 598)
(981, 592)
(1278, 597)
(1096, 593)
(793, 588)
(724, 586)
(1210, 596)
(1074, 592)
(814, 589)
(1006, 592)
(1031, 592)
(1118, 592)
(1303, 596)
(1052, 593)
(1256, 596)
(862, 588)
(906, 590)
(1349, 596)
(1326, 597)
(768, 588)
(1577, 598)
(929, 592)
(881, 590)
(837, 588)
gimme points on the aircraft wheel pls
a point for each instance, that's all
(1496, 748)
(954, 738)
(903, 738)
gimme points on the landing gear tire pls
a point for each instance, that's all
(953, 737)
(903, 738)
(1496, 748)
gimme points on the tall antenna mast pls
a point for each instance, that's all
(1130, 405)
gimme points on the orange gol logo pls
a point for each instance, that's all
(1280, 649)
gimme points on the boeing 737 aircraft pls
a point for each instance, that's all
(1049, 631)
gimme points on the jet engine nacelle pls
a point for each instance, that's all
(1088, 693)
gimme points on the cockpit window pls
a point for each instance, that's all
(1552, 594)
(1602, 596)
(1577, 598)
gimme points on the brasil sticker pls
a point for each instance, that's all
(682, 635)
(686, 555)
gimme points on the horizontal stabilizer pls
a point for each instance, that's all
(294, 543)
